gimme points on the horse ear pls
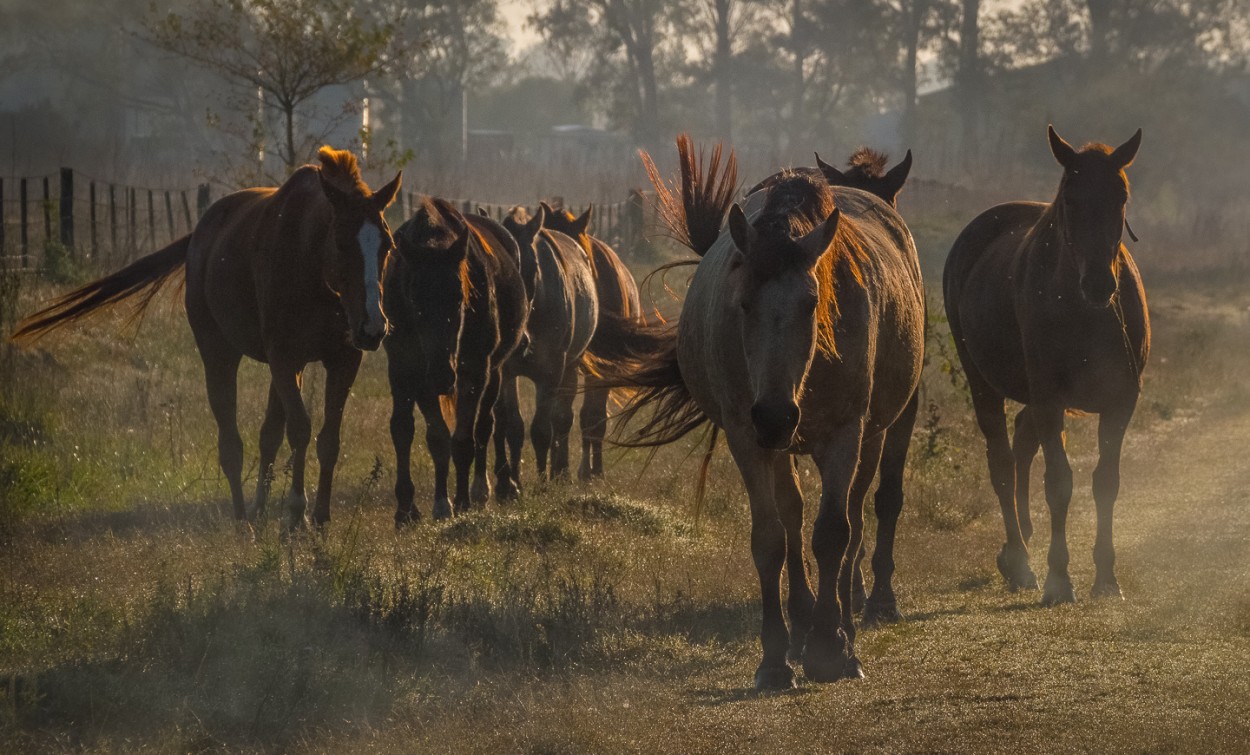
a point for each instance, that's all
(582, 224)
(832, 174)
(542, 205)
(893, 180)
(1062, 151)
(1123, 155)
(817, 241)
(740, 230)
(539, 220)
(383, 197)
(482, 211)
(459, 249)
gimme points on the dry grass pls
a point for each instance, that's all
(134, 615)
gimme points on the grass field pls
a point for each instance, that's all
(135, 615)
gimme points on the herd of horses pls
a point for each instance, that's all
(802, 332)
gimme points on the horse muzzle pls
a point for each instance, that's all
(775, 424)
(368, 340)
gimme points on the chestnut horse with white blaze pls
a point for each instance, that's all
(1047, 308)
(286, 276)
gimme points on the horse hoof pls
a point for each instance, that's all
(442, 509)
(1058, 590)
(507, 491)
(1015, 569)
(827, 661)
(479, 492)
(406, 518)
(774, 678)
(1106, 590)
(879, 613)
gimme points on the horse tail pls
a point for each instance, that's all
(695, 209)
(146, 276)
(642, 358)
(447, 405)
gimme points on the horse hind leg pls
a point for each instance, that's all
(285, 378)
(1024, 445)
(593, 421)
(562, 421)
(1058, 481)
(479, 492)
(271, 432)
(1111, 428)
(882, 606)
(1013, 559)
(509, 438)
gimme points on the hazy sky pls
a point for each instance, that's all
(514, 13)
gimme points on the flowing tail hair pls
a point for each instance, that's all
(145, 276)
(695, 205)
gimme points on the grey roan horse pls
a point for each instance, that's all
(1047, 309)
(802, 333)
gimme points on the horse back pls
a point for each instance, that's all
(564, 315)
(499, 302)
(615, 286)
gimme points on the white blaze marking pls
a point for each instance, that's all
(370, 239)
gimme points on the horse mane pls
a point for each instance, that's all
(867, 163)
(340, 169)
(797, 203)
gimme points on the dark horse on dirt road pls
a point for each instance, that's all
(562, 320)
(802, 333)
(458, 308)
(1047, 308)
(618, 297)
(286, 276)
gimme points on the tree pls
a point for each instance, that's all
(288, 49)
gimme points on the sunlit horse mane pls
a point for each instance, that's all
(340, 169)
(797, 202)
(868, 163)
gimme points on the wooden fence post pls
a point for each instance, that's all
(203, 199)
(151, 221)
(47, 213)
(132, 239)
(66, 209)
(1, 217)
(186, 211)
(95, 248)
(169, 215)
(21, 197)
(112, 221)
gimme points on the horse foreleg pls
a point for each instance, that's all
(1013, 559)
(829, 654)
(340, 375)
(1111, 428)
(882, 606)
(479, 493)
(403, 429)
(285, 377)
(1058, 480)
(768, 550)
(865, 471)
(593, 421)
(271, 431)
(1024, 445)
(221, 377)
(562, 421)
(789, 498)
(438, 443)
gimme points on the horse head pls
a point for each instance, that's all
(866, 171)
(1090, 209)
(362, 244)
(784, 307)
(576, 227)
(525, 229)
(434, 249)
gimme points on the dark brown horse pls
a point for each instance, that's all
(865, 171)
(618, 297)
(802, 333)
(286, 276)
(562, 321)
(457, 306)
(1047, 308)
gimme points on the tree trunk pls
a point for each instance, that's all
(288, 155)
(969, 79)
(649, 121)
(723, 72)
(799, 91)
(1099, 28)
(915, 12)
